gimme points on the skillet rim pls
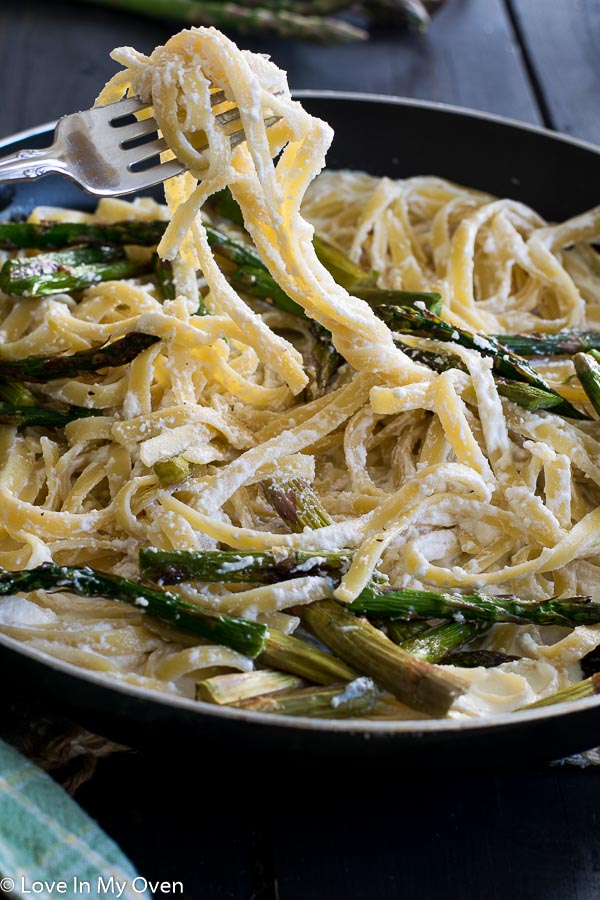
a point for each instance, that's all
(353, 727)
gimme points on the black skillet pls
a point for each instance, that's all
(555, 175)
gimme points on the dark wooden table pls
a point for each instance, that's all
(386, 834)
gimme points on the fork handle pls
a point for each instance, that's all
(30, 164)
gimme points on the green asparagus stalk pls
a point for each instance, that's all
(363, 284)
(281, 651)
(11, 414)
(296, 503)
(252, 275)
(356, 640)
(303, 506)
(588, 372)
(237, 686)
(226, 207)
(57, 235)
(473, 659)
(240, 634)
(505, 363)
(347, 273)
(437, 642)
(321, 362)
(569, 611)
(17, 394)
(336, 702)
(401, 630)
(524, 395)
(563, 343)
(67, 270)
(314, 7)
(163, 272)
(290, 654)
(409, 12)
(237, 567)
(172, 471)
(587, 688)
(245, 20)
(527, 396)
(376, 297)
(46, 368)
(416, 683)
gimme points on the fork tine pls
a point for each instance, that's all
(168, 169)
(231, 115)
(238, 137)
(144, 151)
(115, 167)
(120, 108)
(153, 175)
(217, 97)
(135, 130)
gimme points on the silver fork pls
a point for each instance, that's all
(91, 148)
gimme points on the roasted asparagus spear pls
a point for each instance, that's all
(240, 634)
(46, 368)
(334, 702)
(408, 320)
(67, 270)
(569, 611)
(58, 235)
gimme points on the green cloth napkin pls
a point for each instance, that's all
(46, 838)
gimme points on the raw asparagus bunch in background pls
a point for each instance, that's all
(313, 20)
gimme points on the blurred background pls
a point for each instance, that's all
(534, 60)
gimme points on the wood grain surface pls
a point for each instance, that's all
(387, 834)
(561, 41)
(55, 57)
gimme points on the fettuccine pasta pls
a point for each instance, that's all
(433, 481)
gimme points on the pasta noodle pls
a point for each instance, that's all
(434, 481)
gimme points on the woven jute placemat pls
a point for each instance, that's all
(61, 747)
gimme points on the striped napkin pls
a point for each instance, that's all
(47, 839)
